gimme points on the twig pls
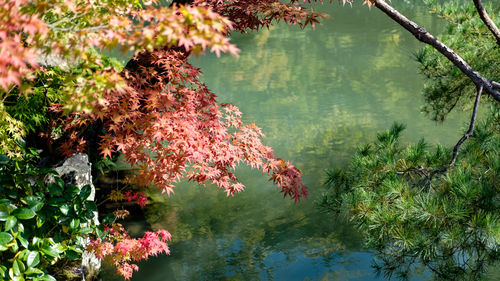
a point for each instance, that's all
(471, 126)
(487, 20)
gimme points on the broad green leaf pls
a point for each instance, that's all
(49, 251)
(36, 241)
(36, 206)
(74, 223)
(23, 213)
(86, 230)
(5, 238)
(71, 191)
(64, 209)
(23, 241)
(55, 190)
(10, 223)
(33, 272)
(33, 259)
(91, 205)
(18, 267)
(86, 190)
(72, 255)
(47, 277)
(4, 215)
(59, 182)
(5, 201)
(109, 219)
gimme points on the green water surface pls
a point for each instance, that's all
(317, 95)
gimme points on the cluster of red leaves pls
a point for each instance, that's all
(169, 125)
(137, 197)
(16, 58)
(124, 251)
(253, 14)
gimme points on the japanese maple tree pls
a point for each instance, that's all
(155, 111)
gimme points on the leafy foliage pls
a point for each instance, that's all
(41, 223)
(412, 214)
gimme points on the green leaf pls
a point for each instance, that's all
(33, 272)
(55, 190)
(23, 213)
(18, 267)
(5, 201)
(10, 223)
(40, 220)
(71, 191)
(4, 159)
(5, 238)
(64, 209)
(4, 215)
(86, 230)
(59, 182)
(36, 206)
(109, 219)
(33, 259)
(49, 251)
(23, 241)
(91, 206)
(86, 190)
(74, 223)
(3, 270)
(48, 277)
(72, 255)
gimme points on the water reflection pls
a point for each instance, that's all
(317, 95)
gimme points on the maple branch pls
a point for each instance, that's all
(423, 36)
(487, 20)
(471, 127)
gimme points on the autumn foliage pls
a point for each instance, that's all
(155, 111)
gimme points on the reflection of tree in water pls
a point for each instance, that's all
(221, 238)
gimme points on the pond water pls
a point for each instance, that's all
(316, 94)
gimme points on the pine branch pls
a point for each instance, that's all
(471, 127)
(422, 35)
(487, 20)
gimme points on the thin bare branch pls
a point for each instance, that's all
(422, 35)
(487, 20)
(471, 127)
